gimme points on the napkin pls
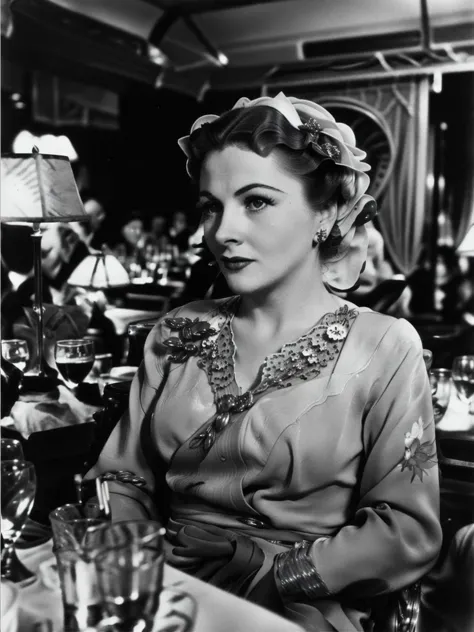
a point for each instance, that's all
(35, 412)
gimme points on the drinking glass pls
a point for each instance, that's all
(137, 334)
(74, 360)
(16, 352)
(11, 450)
(72, 525)
(463, 379)
(18, 484)
(130, 574)
(440, 380)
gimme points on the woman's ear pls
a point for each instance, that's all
(326, 219)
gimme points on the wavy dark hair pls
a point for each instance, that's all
(263, 129)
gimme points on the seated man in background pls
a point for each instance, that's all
(92, 232)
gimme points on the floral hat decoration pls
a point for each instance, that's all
(334, 141)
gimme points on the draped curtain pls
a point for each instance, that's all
(402, 217)
(459, 167)
(402, 108)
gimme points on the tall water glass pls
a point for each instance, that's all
(463, 379)
(18, 484)
(130, 574)
(72, 525)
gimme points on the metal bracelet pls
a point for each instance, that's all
(298, 576)
(124, 476)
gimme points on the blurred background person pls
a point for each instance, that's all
(377, 267)
(159, 234)
(92, 232)
(179, 230)
(375, 289)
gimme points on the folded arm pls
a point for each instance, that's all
(394, 536)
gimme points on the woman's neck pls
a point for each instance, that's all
(293, 310)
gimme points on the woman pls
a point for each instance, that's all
(286, 437)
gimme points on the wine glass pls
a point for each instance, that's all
(440, 380)
(463, 379)
(16, 352)
(74, 360)
(11, 450)
(18, 484)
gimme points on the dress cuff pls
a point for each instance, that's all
(132, 493)
(296, 576)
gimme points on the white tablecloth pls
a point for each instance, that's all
(217, 611)
(457, 415)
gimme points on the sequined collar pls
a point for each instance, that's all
(302, 359)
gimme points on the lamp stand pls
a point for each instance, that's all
(41, 378)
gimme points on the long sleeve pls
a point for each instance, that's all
(394, 535)
(124, 448)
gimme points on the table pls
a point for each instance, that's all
(457, 417)
(121, 317)
(217, 611)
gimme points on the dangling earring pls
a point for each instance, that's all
(321, 235)
(211, 264)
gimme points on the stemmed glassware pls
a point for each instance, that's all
(74, 360)
(16, 352)
(440, 380)
(18, 485)
(463, 379)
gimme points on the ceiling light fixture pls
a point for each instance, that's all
(217, 56)
(166, 21)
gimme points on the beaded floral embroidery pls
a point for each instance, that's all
(299, 360)
(418, 457)
(190, 333)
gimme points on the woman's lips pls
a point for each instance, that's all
(235, 264)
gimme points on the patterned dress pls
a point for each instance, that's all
(334, 444)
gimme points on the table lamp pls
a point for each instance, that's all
(99, 271)
(36, 189)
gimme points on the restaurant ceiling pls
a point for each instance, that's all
(262, 38)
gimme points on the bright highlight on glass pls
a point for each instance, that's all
(440, 380)
(463, 379)
(18, 483)
(11, 450)
(16, 352)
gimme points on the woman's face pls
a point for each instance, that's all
(257, 221)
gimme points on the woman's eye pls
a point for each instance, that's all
(207, 208)
(255, 203)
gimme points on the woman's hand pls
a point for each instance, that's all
(219, 556)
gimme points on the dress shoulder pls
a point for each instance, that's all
(208, 310)
(378, 337)
(381, 325)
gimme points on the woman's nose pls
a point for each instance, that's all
(229, 226)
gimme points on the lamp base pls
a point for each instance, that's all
(39, 383)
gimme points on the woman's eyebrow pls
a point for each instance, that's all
(255, 185)
(207, 194)
(242, 190)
